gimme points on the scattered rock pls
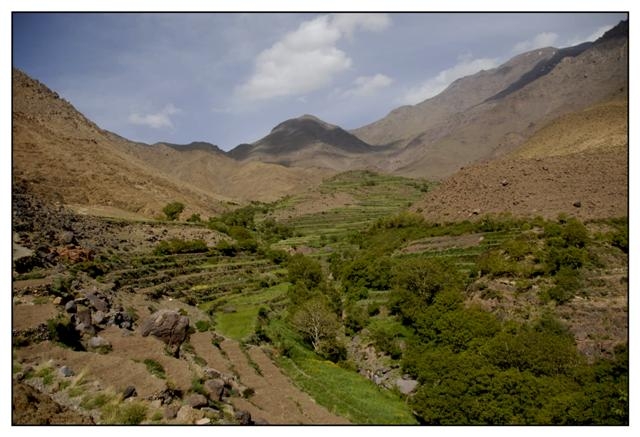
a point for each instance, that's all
(83, 315)
(19, 376)
(66, 372)
(57, 300)
(71, 307)
(197, 400)
(129, 392)
(577, 204)
(504, 182)
(67, 238)
(228, 309)
(260, 421)
(203, 421)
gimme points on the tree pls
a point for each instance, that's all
(315, 320)
(173, 210)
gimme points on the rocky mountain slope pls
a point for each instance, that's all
(577, 164)
(488, 114)
(69, 159)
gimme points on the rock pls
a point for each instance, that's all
(197, 400)
(203, 421)
(406, 386)
(169, 326)
(98, 318)
(211, 373)
(71, 307)
(19, 376)
(97, 302)
(57, 300)
(260, 421)
(66, 372)
(67, 238)
(129, 392)
(210, 412)
(228, 309)
(577, 204)
(99, 342)
(186, 414)
(83, 315)
(85, 329)
(214, 388)
(171, 411)
(504, 182)
(243, 417)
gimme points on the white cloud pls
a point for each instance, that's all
(365, 86)
(592, 37)
(544, 39)
(307, 58)
(433, 86)
(156, 121)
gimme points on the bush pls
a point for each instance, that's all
(203, 325)
(226, 249)
(62, 331)
(195, 218)
(304, 271)
(567, 284)
(175, 245)
(173, 210)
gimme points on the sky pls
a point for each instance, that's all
(229, 78)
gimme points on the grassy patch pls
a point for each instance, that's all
(341, 391)
(242, 323)
(155, 368)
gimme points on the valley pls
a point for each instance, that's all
(461, 261)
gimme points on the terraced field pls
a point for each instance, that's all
(363, 198)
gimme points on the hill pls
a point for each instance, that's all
(576, 164)
(69, 159)
(307, 142)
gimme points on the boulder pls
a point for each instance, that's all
(171, 411)
(99, 342)
(197, 400)
(243, 417)
(169, 326)
(129, 392)
(66, 372)
(83, 315)
(406, 386)
(188, 415)
(203, 421)
(70, 307)
(211, 373)
(214, 388)
(67, 238)
(98, 318)
(97, 302)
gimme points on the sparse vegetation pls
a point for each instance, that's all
(173, 210)
(155, 368)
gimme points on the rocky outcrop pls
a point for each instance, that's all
(169, 326)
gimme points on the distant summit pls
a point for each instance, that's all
(194, 145)
(297, 135)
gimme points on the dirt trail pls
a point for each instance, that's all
(201, 342)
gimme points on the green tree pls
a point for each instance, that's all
(173, 210)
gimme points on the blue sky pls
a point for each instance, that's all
(230, 78)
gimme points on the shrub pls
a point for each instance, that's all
(129, 413)
(226, 249)
(203, 325)
(175, 245)
(567, 284)
(195, 218)
(173, 210)
(304, 271)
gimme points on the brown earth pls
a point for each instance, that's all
(587, 185)
(31, 407)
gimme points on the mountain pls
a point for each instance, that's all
(307, 142)
(194, 145)
(69, 159)
(489, 114)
